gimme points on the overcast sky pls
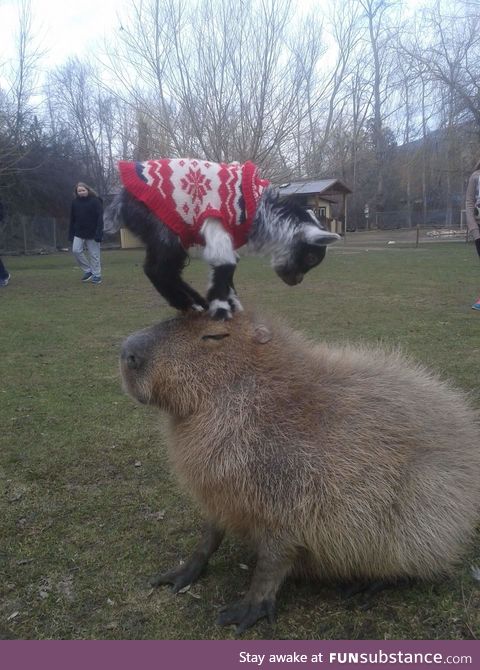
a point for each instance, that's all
(67, 28)
(64, 27)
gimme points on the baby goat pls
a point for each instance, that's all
(172, 204)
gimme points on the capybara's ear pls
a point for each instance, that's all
(262, 334)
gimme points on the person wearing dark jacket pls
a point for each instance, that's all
(4, 273)
(472, 211)
(86, 231)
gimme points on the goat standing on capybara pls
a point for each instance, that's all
(339, 463)
(174, 203)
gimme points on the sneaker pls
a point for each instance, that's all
(87, 276)
(96, 279)
(5, 280)
(476, 304)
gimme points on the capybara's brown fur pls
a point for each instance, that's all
(341, 463)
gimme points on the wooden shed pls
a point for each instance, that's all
(128, 240)
(326, 197)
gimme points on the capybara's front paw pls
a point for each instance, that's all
(179, 577)
(246, 612)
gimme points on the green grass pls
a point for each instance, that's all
(89, 509)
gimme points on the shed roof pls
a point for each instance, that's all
(314, 186)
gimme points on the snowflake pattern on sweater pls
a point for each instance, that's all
(183, 192)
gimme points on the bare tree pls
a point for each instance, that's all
(25, 75)
(20, 77)
(82, 111)
(444, 52)
(217, 94)
(380, 31)
(449, 50)
(329, 99)
(360, 92)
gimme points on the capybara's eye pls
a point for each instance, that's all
(217, 336)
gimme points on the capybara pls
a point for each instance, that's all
(339, 463)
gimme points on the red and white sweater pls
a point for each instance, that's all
(183, 192)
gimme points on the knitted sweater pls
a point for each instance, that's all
(183, 192)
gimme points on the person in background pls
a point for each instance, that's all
(4, 274)
(86, 231)
(472, 211)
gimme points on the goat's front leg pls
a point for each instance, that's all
(189, 572)
(221, 295)
(220, 254)
(163, 266)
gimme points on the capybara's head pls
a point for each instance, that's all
(175, 363)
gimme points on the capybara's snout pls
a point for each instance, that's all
(135, 358)
(134, 352)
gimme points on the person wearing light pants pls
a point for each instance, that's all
(86, 231)
(472, 211)
(87, 255)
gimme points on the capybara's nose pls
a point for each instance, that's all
(137, 349)
(131, 354)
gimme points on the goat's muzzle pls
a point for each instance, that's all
(290, 278)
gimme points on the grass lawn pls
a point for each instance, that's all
(89, 509)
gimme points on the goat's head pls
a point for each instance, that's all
(307, 244)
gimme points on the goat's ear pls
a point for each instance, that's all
(273, 195)
(322, 237)
(262, 334)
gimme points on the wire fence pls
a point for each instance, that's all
(430, 218)
(22, 234)
(409, 228)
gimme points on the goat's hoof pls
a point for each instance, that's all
(235, 304)
(245, 613)
(220, 310)
(221, 315)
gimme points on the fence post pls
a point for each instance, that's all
(54, 223)
(24, 235)
(417, 236)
